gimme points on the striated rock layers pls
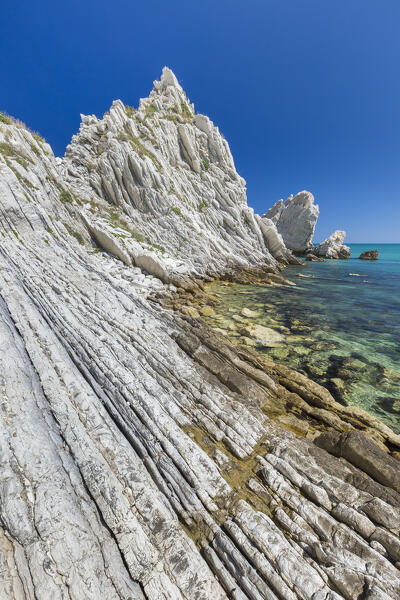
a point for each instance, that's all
(295, 220)
(140, 457)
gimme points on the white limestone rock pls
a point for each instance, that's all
(333, 247)
(137, 457)
(274, 241)
(295, 220)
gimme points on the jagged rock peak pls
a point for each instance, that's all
(168, 78)
(167, 93)
(170, 175)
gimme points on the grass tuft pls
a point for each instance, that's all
(5, 119)
(74, 233)
(150, 110)
(66, 197)
(177, 211)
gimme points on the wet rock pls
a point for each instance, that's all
(338, 387)
(312, 258)
(191, 311)
(299, 426)
(369, 255)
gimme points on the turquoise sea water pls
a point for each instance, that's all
(342, 325)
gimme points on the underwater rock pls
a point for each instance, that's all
(389, 404)
(338, 387)
(369, 255)
(263, 335)
(247, 312)
(323, 345)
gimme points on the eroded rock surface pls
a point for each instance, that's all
(295, 220)
(140, 455)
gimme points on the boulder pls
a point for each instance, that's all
(369, 255)
(107, 241)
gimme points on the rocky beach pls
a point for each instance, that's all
(150, 449)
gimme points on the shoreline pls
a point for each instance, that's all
(314, 404)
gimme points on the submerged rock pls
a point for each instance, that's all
(263, 335)
(369, 255)
(247, 312)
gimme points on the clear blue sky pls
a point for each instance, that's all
(307, 92)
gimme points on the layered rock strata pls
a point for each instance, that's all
(140, 456)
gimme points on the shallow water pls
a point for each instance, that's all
(341, 326)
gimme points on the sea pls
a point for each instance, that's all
(341, 323)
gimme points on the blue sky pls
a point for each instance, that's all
(307, 92)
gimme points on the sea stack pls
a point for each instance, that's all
(333, 246)
(295, 219)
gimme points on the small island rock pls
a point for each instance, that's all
(369, 255)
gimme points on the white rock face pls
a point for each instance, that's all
(295, 220)
(333, 246)
(138, 457)
(274, 241)
(164, 178)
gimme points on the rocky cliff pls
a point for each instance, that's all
(140, 453)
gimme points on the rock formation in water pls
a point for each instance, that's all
(295, 220)
(333, 246)
(369, 255)
(142, 454)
